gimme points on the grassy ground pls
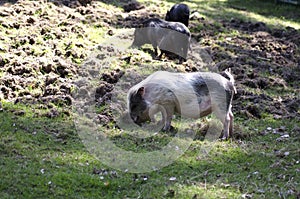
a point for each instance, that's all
(44, 157)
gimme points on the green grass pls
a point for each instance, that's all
(43, 157)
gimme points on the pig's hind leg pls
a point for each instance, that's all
(225, 118)
(184, 51)
(161, 53)
(227, 126)
(230, 122)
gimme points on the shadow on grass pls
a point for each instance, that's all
(266, 8)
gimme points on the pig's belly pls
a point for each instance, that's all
(194, 109)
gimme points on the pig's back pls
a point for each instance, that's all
(176, 26)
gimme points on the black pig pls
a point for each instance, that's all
(179, 13)
(166, 36)
(192, 95)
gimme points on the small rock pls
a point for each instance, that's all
(255, 172)
(247, 196)
(172, 179)
(196, 16)
(285, 136)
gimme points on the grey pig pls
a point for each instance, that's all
(192, 95)
(166, 36)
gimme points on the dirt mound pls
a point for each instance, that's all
(133, 5)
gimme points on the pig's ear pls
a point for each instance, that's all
(167, 15)
(141, 91)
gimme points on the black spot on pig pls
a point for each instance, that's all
(199, 86)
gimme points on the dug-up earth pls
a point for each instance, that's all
(44, 47)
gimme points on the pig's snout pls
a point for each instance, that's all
(134, 45)
(139, 38)
(139, 120)
(136, 120)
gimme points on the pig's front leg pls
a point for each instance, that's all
(153, 110)
(167, 114)
(155, 47)
(181, 59)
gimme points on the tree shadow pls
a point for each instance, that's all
(267, 8)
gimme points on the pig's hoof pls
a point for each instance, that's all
(180, 61)
(165, 129)
(171, 131)
(157, 58)
(224, 138)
